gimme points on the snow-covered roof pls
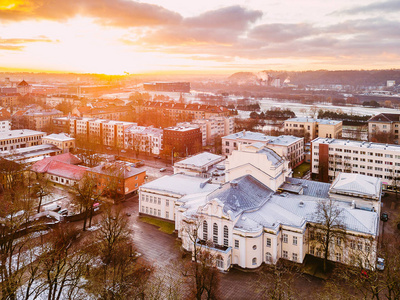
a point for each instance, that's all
(241, 194)
(356, 184)
(200, 160)
(312, 120)
(181, 185)
(272, 156)
(59, 137)
(360, 145)
(310, 188)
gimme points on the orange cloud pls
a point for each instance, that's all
(123, 13)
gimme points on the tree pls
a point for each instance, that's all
(41, 188)
(202, 271)
(327, 228)
(119, 275)
(87, 194)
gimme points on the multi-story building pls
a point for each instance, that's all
(111, 112)
(245, 223)
(215, 127)
(5, 120)
(61, 124)
(181, 87)
(144, 139)
(312, 128)
(288, 146)
(261, 162)
(15, 139)
(9, 99)
(121, 176)
(99, 131)
(384, 124)
(54, 100)
(329, 157)
(32, 154)
(182, 140)
(35, 118)
(60, 140)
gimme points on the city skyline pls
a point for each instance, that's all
(120, 36)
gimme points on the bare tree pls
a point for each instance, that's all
(202, 271)
(328, 228)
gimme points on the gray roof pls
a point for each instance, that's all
(310, 188)
(357, 184)
(241, 194)
(272, 156)
(312, 120)
(201, 159)
(356, 144)
(181, 185)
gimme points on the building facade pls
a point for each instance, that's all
(182, 140)
(313, 128)
(329, 157)
(60, 140)
(290, 147)
(15, 139)
(144, 139)
(384, 124)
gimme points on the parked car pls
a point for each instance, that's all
(63, 212)
(52, 207)
(163, 169)
(384, 216)
(157, 156)
(380, 264)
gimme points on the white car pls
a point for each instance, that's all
(380, 264)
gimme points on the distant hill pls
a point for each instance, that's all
(320, 77)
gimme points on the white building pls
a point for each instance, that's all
(290, 147)
(158, 198)
(201, 165)
(20, 138)
(61, 140)
(329, 157)
(144, 139)
(259, 161)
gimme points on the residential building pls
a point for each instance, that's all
(182, 140)
(56, 99)
(384, 124)
(121, 176)
(215, 127)
(100, 131)
(329, 157)
(159, 197)
(61, 169)
(21, 138)
(203, 165)
(259, 161)
(111, 112)
(35, 118)
(29, 155)
(24, 88)
(143, 139)
(60, 140)
(9, 99)
(312, 128)
(61, 124)
(5, 120)
(288, 146)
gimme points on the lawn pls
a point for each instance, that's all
(300, 170)
(163, 226)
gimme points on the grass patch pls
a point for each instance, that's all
(163, 226)
(300, 170)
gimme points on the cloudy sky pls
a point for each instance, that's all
(224, 36)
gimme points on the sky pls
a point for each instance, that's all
(208, 36)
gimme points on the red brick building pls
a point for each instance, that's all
(183, 140)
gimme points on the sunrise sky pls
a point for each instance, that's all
(117, 36)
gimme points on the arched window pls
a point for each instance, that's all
(254, 261)
(215, 233)
(226, 235)
(205, 230)
(268, 258)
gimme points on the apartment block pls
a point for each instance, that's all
(182, 140)
(60, 140)
(35, 118)
(312, 128)
(384, 124)
(287, 146)
(15, 139)
(329, 157)
(144, 139)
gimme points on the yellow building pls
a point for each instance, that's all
(312, 128)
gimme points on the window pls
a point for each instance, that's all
(159, 200)
(167, 215)
(312, 250)
(338, 256)
(254, 261)
(338, 241)
(215, 233)
(268, 257)
(319, 253)
(285, 238)
(220, 262)
(254, 247)
(360, 247)
(268, 242)
(226, 143)
(294, 256)
(236, 244)
(205, 230)
(285, 254)
(367, 247)
(226, 235)
(167, 202)
(295, 240)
